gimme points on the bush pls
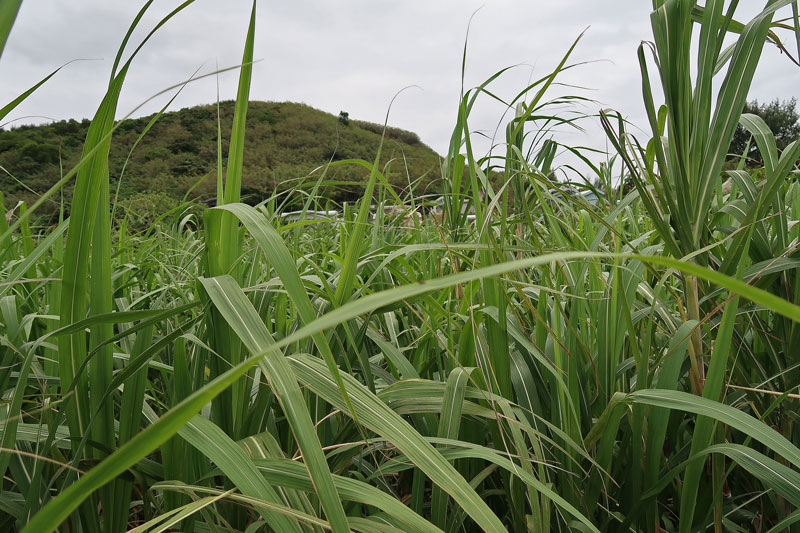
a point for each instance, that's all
(41, 153)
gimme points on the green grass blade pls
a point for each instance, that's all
(223, 248)
(233, 176)
(232, 460)
(773, 474)
(726, 414)
(449, 424)
(8, 12)
(9, 107)
(286, 473)
(86, 198)
(378, 417)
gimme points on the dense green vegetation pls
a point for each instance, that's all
(627, 365)
(286, 144)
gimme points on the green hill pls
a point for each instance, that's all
(285, 142)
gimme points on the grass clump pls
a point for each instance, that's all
(531, 358)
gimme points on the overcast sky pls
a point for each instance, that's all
(349, 56)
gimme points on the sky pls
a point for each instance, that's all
(352, 56)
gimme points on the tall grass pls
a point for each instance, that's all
(555, 365)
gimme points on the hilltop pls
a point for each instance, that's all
(284, 143)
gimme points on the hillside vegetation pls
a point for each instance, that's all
(286, 142)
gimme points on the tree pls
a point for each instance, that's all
(344, 118)
(780, 116)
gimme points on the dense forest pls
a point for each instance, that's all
(288, 144)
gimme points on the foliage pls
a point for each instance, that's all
(532, 362)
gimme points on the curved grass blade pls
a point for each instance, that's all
(275, 249)
(378, 417)
(237, 466)
(9, 107)
(287, 473)
(243, 319)
(752, 427)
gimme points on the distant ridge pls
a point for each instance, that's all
(285, 141)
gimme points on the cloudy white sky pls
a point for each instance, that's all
(347, 55)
